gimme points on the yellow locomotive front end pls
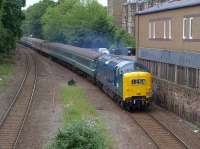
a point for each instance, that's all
(137, 88)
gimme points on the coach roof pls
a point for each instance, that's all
(89, 53)
(170, 5)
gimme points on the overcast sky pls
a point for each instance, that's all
(31, 2)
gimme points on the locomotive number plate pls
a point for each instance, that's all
(139, 81)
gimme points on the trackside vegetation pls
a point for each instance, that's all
(11, 17)
(83, 128)
(6, 70)
(82, 23)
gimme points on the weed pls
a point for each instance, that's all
(6, 71)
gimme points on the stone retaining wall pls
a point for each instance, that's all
(183, 101)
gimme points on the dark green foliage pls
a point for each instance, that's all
(80, 136)
(33, 25)
(11, 18)
(122, 38)
(82, 23)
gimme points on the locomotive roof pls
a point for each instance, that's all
(89, 53)
(116, 60)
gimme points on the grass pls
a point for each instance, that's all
(83, 129)
(6, 70)
(76, 108)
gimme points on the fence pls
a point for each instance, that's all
(185, 76)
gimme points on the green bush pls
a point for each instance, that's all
(81, 135)
(83, 128)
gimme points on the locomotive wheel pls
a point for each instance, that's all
(127, 107)
(121, 104)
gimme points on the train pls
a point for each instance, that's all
(128, 82)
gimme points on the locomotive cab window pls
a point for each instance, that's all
(128, 68)
(132, 67)
(140, 67)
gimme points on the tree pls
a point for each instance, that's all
(82, 23)
(11, 18)
(32, 25)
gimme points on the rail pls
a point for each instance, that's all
(12, 124)
(160, 135)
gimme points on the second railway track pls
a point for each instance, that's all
(162, 137)
(14, 118)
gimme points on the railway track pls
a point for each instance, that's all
(162, 137)
(12, 123)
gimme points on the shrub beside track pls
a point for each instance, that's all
(82, 127)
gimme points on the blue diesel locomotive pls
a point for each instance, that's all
(126, 81)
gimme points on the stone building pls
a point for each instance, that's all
(115, 10)
(130, 7)
(168, 41)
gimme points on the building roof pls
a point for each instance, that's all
(170, 5)
(134, 2)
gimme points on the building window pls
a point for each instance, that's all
(160, 29)
(184, 26)
(187, 28)
(152, 30)
(170, 29)
(190, 27)
(167, 29)
(165, 24)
